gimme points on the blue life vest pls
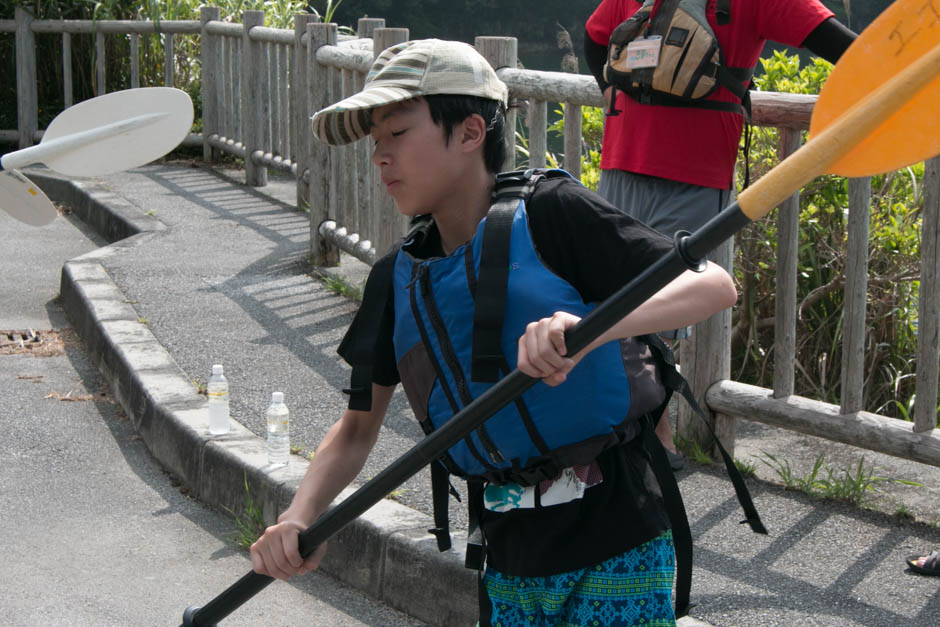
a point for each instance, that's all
(548, 428)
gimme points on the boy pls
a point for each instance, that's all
(435, 111)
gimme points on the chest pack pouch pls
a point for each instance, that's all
(667, 54)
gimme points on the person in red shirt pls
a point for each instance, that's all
(673, 167)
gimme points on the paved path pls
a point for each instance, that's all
(218, 273)
(92, 530)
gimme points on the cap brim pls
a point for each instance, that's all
(349, 120)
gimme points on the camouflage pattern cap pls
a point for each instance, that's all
(422, 67)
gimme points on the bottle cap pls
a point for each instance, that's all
(277, 397)
(217, 369)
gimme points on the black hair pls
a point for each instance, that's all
(448, 110)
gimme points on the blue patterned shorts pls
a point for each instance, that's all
(634, 588)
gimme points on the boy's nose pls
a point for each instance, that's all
(380, 157)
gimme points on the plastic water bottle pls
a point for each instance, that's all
(217, 391)
(278, 418)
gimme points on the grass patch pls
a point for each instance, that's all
(339, 285)
(692, 449)
(249, 524)
(747, 469)
(851, 486)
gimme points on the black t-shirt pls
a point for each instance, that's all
(597, 249)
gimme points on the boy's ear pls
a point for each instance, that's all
(473, 132)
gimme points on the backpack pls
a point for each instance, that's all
(650, 369)
(667, 54)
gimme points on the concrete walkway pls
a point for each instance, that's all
(205, 270)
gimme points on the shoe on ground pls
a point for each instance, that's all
(676, 460)
(930, 565)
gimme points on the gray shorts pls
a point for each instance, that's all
(667, 206)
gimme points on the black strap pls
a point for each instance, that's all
(675, 509)
(490, 303)
(476, 542)
(441, 489)
(723, 12)
(674, 380)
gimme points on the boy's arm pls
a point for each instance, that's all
(338, 460)
(689, 298)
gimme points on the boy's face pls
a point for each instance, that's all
(419, 168)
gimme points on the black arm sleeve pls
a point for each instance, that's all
(829, 40)
(595, 55)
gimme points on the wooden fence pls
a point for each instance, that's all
(260, 86)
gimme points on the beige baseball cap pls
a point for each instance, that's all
(421, 67)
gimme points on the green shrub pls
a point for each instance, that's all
(894, 253)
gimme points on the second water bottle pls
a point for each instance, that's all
(278, 419)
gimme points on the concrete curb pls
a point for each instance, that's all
(387, 552)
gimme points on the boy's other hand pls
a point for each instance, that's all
(542, 351)
(277, 554)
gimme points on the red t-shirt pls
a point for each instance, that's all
(687, 144)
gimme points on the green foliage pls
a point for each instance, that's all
(249, 524)
(851, 486)
(746, 468)
(894, 252)
(592, 132)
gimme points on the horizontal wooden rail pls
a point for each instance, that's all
(862, 429)
(225, 29)
(187, 27)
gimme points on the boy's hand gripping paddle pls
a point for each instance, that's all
(107, 134)
(879, 111)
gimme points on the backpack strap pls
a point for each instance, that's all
(675, 509)
(723, 12)
(675, 381)
(441, 490)
(490, 299)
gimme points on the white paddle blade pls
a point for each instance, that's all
(139, 144)
(23, 200)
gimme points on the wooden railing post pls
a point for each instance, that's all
(388, 224)
(209, 85)
(135, 60)
(706, 358)
(573, 139)
(788, 235)
(502, 52)
(101, 87)
(365, 27)
(67, 96)
(300, 111)
(252, 94)
(928, 307)
(319, 96)
(537, 123)
(852, 372)
(169, 59)
(27, 100)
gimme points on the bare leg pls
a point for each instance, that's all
(664, 432)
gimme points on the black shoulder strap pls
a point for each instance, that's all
(490, 299)
(357, 348)
(723, 12)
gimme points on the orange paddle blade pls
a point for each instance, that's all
(902, 34)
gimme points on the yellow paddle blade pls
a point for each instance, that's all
(905, 32)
